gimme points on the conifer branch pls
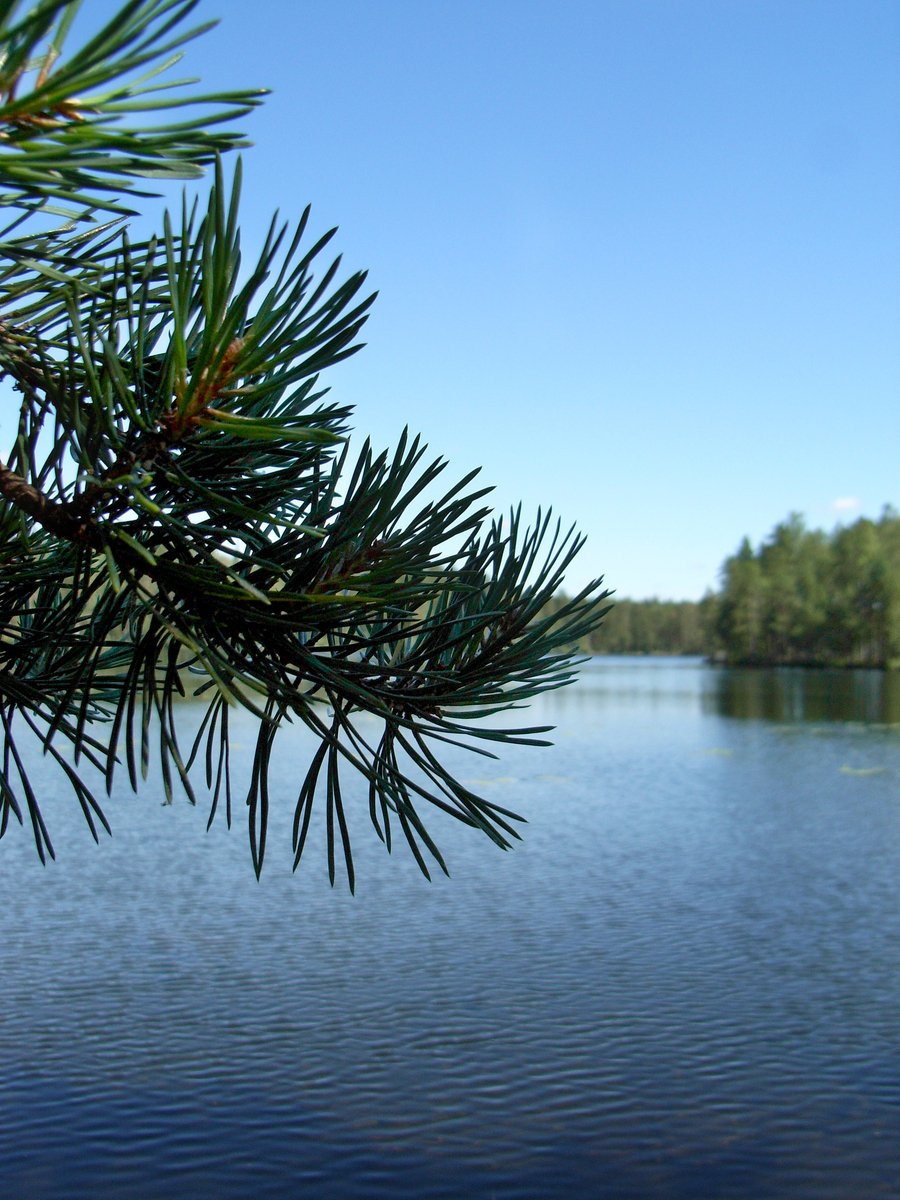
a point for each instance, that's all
(182, 515)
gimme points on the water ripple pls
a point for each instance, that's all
(683, 984)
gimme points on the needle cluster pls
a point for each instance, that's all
(181, 513)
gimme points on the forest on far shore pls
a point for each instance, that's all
(803, 597)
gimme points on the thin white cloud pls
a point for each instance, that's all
(846, 504)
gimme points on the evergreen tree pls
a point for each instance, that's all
(651, 627)
(889, 540)
(794, 563)
(804, 597)
(181, 511)
(864, 591)
(738, 624)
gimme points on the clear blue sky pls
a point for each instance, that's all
(636, 258)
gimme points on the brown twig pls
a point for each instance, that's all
(54, 517)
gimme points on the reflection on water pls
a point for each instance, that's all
(771, 694)
(798, 694)
(683, 984)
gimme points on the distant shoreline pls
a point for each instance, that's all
(719, 660)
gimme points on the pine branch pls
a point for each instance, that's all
(57, 519)
(182, 515)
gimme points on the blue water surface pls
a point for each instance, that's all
(684, 983)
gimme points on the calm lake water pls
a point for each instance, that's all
(684, 983)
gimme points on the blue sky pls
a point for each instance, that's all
(637, 259)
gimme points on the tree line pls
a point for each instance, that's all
(808, 597)
(802, 597)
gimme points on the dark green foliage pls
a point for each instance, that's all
(648, 627)
(181, 510)
(652, 627)
(804, 597)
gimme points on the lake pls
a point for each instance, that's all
(684, 983)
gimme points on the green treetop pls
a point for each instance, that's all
(181, 509)
(808, 597)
